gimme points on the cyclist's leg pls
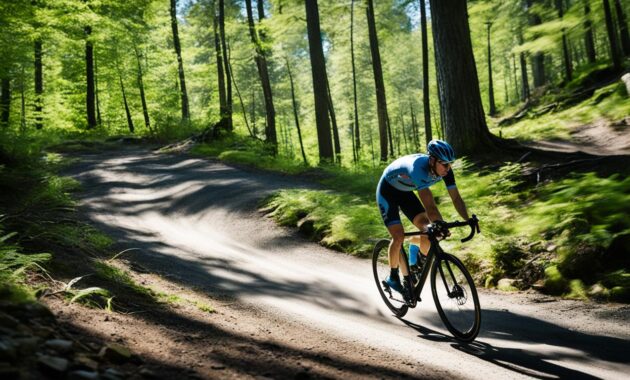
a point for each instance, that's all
(421, 221)
(397, 233)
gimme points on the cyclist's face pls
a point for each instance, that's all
(442, 168)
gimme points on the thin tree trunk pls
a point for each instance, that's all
(568, 66)
(414, 126)
(127, 112)
(589, 42)
(39, 85)
(524, 79)
(145, 109)
(461, 112)
(428, 134)
(238, 93)
(296, 112)
(381, 100)
(89, 68)
(261, 64)
(493, 109)
(220, 74)
(180, 62)
(615, 54)
(99, 121)
(517, 91)
(357, 130)
(335, 130)
(318, 68)
(226, 64)
(538, 60)
(623, 28)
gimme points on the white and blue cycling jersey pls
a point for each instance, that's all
(412, 172)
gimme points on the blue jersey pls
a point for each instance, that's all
(412, 172)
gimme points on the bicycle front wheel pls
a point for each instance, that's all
(380, 268)
(456, 298)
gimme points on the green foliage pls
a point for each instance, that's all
(120, 278)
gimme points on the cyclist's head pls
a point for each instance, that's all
(441, 150)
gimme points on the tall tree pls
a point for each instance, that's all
(493, 108)
(318, 69)
(143, 99)
(623, 28)
(589, 41)
(89, 68)
(180, 62)
(568, 65)
(5, 101)
(228, 75)
(220, 73)
(127, 111)
(335, 129)
(615, 54)
(357, 130)
(538, 59)
(461, 110)
(425, 73)
(296, 111)
(379, 84)
(263, 73)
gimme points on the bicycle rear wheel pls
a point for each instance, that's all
(380, 268)
(456, 298)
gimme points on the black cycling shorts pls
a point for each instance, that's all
(390, 200)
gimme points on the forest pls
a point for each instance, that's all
(333, 91)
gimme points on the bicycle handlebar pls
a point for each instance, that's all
(472, 222)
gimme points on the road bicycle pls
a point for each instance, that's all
(452, 286)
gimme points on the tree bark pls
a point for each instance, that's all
(615, 54)
(568, 65)
(493, 110)
(263, 73)
(39, 85)
(589, 42)
(623, 28)
(335, 130)
(96, 97)
(425, 73)
(5, 102)
(318, 69)
(381, 100)
(461, 111)
(220, 74)
(145, 109)
(538, 60)
(180, 62)
(89, 68)
(226, 65)
(356, 129)
(296, 112)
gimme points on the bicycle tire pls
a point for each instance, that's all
(463, 323)
(380, 269)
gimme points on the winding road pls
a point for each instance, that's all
(197, 221)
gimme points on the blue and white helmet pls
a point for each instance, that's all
(441, 150)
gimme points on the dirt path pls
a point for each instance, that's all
(288, 308)
(600, 138)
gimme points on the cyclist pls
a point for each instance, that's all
(395, 191)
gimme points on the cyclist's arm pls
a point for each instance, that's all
(426, 197)
(458, 202)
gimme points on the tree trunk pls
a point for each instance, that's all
(226, 64)
(589, 42)
(263, 72)
(145, 109)
(524, 79)
(220, 74)
(127, 112)
(357, 130)
(538, 60)
(335, 130)
(99, 121)
(296, 112)
(238, 93)
(5, 102)
(89, 68)
(493, 109)
(318, 68)
(180, 62)
(22, 102)
(381, 101)
(615, 54)
(425, 73)
(39, 85)
(461, 111)
(623, 28)
(568, 66)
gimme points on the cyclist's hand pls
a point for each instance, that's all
(440, 229)
(474, 222)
